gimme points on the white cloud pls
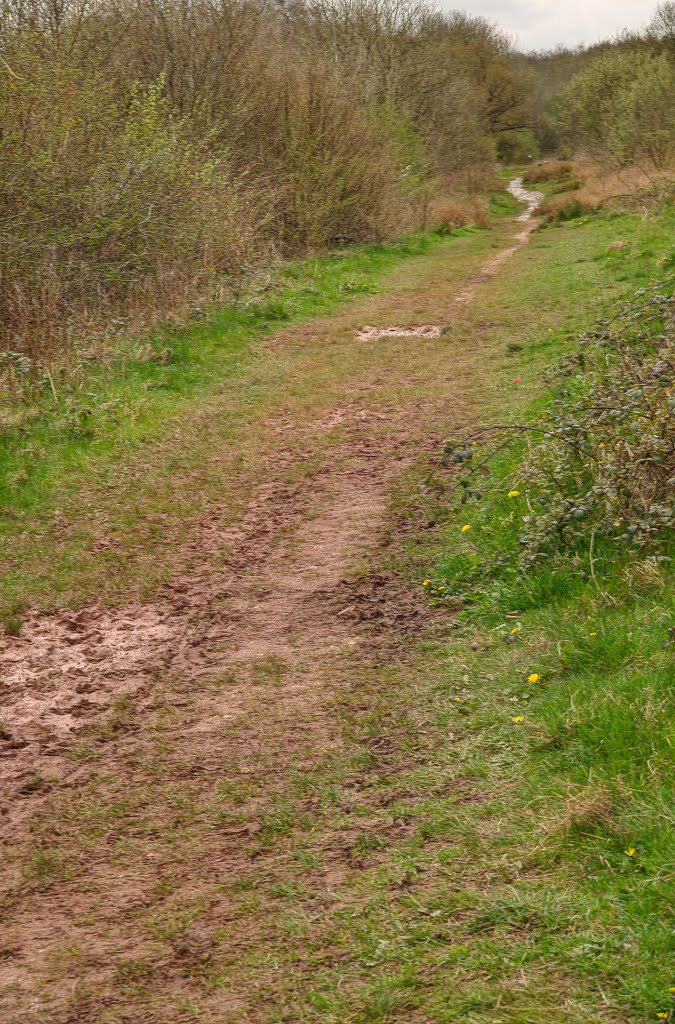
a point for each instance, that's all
(542, 24)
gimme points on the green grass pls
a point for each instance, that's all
(586, 775)
(127, 402)
(493, 881)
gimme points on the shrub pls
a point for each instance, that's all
(515, 147)
(599, 468)
(554, 170)
(621, 109)
(110, 207)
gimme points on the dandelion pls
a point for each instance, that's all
(672, 989)
(592, 634)
(441, 588)
(533, 677)
(474, 443)
(518, 718)
(457, 699)
(515, 631)
(630, 852)
(513, 494)
(662, 1016)
(601, 445)
(427, 583)
(465, 529)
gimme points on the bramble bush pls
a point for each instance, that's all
(596, 468)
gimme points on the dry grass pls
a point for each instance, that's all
(602, 186)
(550, 170)
(580, 811)
(447, 214)
(586, 186)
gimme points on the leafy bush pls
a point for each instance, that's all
(516, 147)
(110, 207)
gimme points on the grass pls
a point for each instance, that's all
(90, 486)
(432, 861)
(580, 759)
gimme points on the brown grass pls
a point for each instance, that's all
(581, 810)
(602, 185)
(551, 170)
(598, 186)
(447, 214)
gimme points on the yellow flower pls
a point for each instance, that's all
(474, 443)
(533, 677)
(630, 852)
(662, 1016)
(477, 745)
(513, 494)
(516, 629)
(601, 445)
(592, 634)
(426, 583)
(518, 718)
(458, 699)
(672, 989)
(465, 529)
(441, 588)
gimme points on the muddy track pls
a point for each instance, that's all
(271, 595)
(292, 546)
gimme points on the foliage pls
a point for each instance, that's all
(599, 468)
(156, 154)
(516, 147)
(622, 109)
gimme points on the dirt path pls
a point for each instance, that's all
(235, 661)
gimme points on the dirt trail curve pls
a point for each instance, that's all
(263, 599)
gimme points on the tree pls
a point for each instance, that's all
(621, 109)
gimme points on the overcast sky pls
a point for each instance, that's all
(542, 24)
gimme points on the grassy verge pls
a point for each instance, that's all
(563, 667)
